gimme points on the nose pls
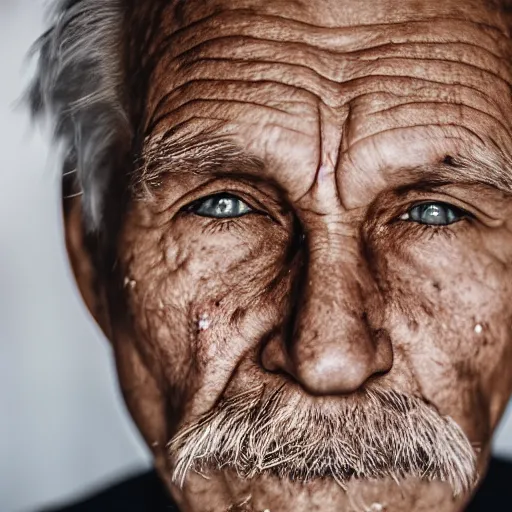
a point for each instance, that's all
(333, 346)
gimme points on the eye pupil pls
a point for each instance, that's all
(435, 214)
(225, 206)
(433, 210)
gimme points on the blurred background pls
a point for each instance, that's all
(64, 430)
(63, 427)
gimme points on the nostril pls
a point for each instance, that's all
(383, 360)
(268, 362)
(273, 357)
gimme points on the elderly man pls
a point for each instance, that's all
(292, 220)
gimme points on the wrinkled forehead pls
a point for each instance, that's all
(195, 35)
(278, 75)
(343, 13)
(320, 19)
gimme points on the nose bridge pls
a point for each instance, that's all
(333, 348)
(331, 299)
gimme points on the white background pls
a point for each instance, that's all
(63, 426)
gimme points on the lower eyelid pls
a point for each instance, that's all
(212, 226)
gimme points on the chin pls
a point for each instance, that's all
(224, 490)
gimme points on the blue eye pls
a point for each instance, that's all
(221, 206)
(434, 214)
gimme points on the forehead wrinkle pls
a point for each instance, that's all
(338, 37)
(343, 83)
(180, 108)
(176, 42)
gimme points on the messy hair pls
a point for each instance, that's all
(79, 84)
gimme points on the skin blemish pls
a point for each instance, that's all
(128, 282)
(203, 323)
(413, 325)
(448, 160)
(478, 329)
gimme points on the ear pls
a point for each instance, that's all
(86, 275)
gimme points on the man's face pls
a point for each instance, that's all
(322, 232)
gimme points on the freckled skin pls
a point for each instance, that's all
(341, 101)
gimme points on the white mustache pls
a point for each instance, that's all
(384, 434)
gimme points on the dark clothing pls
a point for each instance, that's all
(145, 493)
(495, 494)
(142, 493)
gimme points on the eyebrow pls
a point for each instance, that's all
(200, 155)
(488, 169)
(210, 155)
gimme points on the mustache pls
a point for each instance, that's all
(381, 434)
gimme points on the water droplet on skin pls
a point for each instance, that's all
(203, 322)
(129, 282)
(478, 328)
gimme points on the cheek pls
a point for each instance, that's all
(202, 300)
(450, 308)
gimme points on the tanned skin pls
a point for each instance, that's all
(331, 120)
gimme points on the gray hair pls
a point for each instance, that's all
(79, 84)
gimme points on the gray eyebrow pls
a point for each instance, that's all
(491, 170)
(209, 154)
(200, 154)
